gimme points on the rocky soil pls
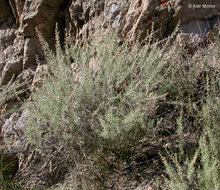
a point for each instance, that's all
(21, 55)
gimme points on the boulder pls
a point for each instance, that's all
(13, 132)
(5, 12)
(32, 52)
(20, 45)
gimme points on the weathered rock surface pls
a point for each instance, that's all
(131, 19)
(19, 20)
(12, 131)
(24, 159)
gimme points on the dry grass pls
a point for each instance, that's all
(114, 110)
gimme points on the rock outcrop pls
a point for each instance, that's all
(21, 55)
(132, 19)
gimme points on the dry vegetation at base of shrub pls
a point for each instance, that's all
(117, 111)
(10, 93)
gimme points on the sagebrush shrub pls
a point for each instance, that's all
(200, 170)
(110, 99)
(97, 95)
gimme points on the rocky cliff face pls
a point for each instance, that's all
(21, 53)
(19, 20)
